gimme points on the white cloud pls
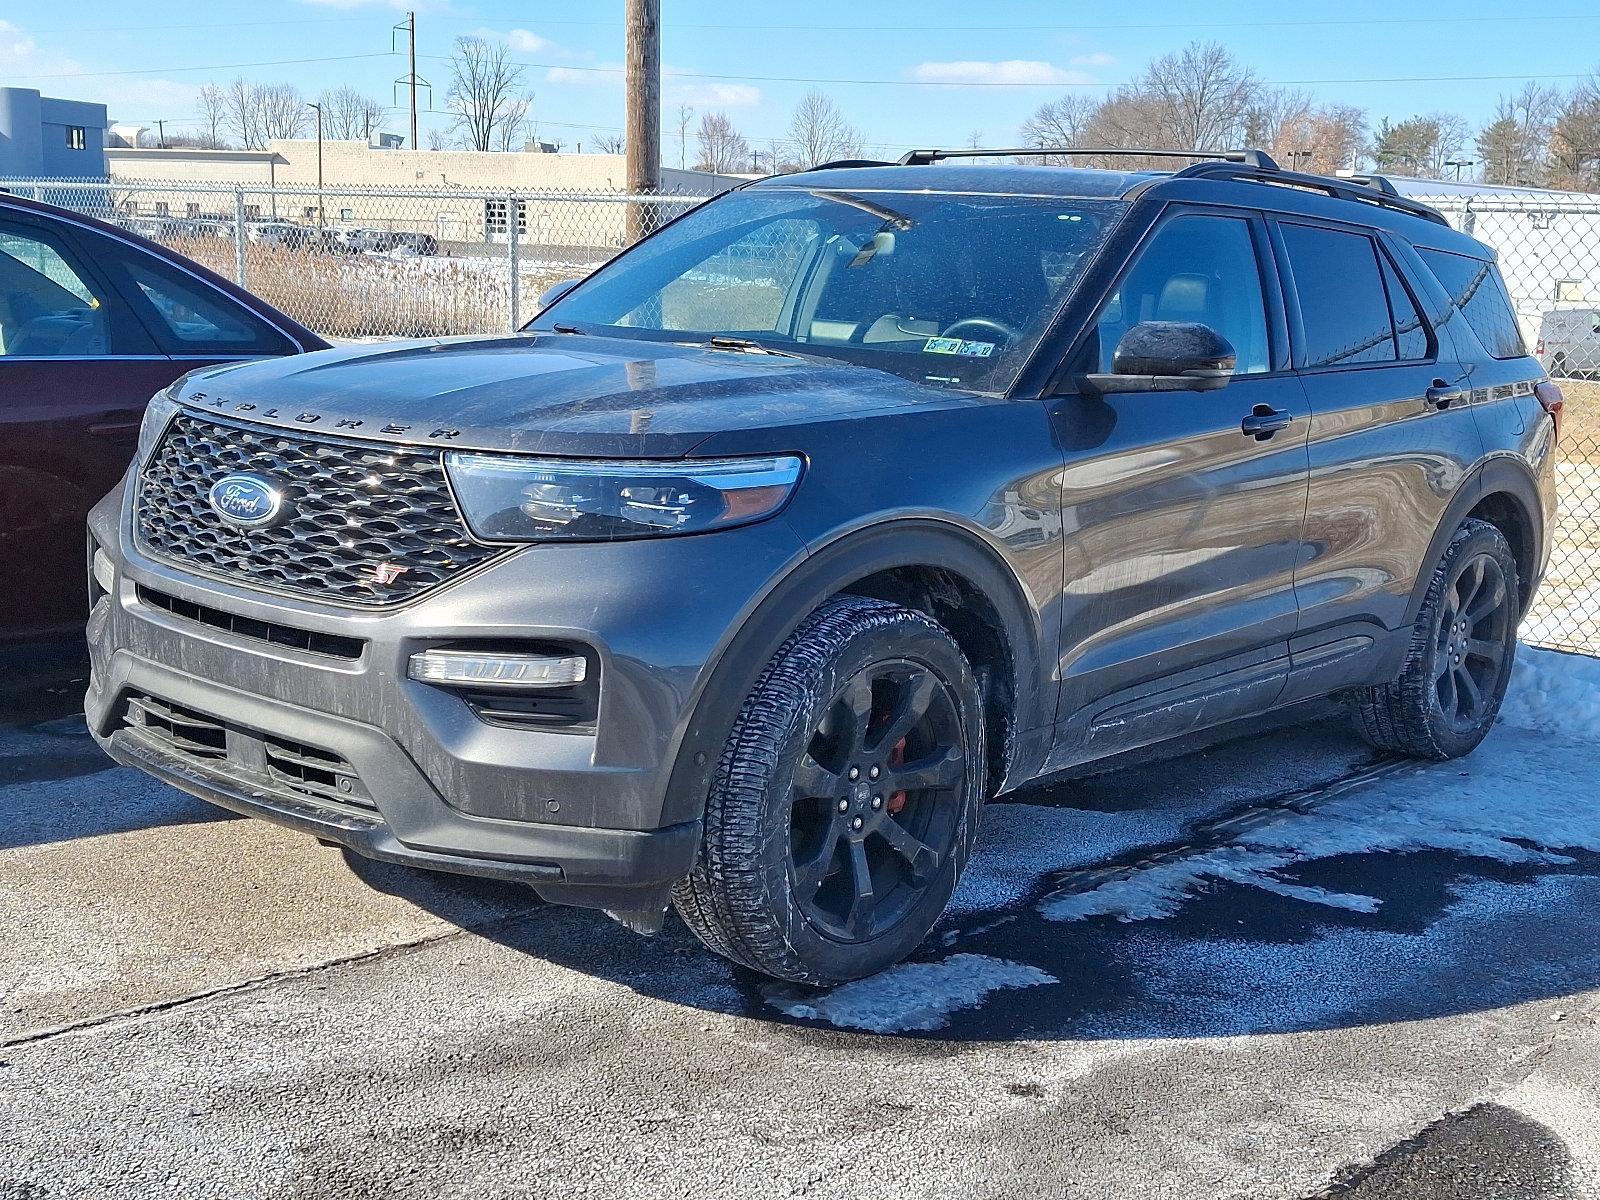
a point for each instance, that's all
(525, 41)
(681, 87)
(130, 98)
(601, 75)
(1098, 59)
(1013, 70)
(714, 95)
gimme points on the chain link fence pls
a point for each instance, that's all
(428, 261)
(378, 262)
(1548, 245)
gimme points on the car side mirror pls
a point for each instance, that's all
(1166, 356)
(555, 291)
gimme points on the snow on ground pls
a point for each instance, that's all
(1515, 801)
(1526, 799)
(911, 996)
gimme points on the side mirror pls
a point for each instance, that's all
(1167, 356)
(554, 292)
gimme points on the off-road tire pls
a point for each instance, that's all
(1406, 716)
(741, 899)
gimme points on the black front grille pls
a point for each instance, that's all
(368, 524)
(332, 645)
(270, 764)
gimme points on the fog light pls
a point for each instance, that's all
(468, 668)
(104, 573)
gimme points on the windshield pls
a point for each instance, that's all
(953, 290)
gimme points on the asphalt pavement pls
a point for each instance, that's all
(1279, 966)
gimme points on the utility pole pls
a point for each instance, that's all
(320, 218)
(410, 79)
(161, 135)
(643, 81)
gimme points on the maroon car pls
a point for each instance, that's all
(93, 321)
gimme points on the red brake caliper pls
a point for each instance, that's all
(897, 758)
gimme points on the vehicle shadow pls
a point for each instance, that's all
(1450, 933)
(56, 785)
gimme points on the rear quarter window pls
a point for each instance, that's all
(1478, 291)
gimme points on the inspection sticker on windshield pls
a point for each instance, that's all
(944, 345)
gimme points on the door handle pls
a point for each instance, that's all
(1264, 421)
(1443, 395)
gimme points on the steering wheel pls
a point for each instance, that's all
(983, 325)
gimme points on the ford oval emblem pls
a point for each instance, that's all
(248, 500)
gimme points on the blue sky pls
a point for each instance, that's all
(930, 67)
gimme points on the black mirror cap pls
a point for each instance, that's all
(1168, 348)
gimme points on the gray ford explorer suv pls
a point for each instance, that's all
(743, 576)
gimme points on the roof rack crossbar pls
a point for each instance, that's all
(1369, 189)
(1253, 158)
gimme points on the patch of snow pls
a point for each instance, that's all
(912, 996)
(1523, 798)
(1554, 692)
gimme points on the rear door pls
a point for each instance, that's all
(1182, 526)
(1392, 437)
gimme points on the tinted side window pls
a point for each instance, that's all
(1344, 312)
(1411, 333)
(194, 318)
(1478, 292)
(47, 310)
(1195, 268)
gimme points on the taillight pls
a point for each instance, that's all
(1539, 349)
(1552, 401)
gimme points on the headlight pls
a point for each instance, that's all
(160, 411)
(509, 498)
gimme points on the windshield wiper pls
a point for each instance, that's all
(742, 346)
(565, 329)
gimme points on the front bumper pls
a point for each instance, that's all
(585, 816)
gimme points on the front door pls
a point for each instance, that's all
(1182, 510)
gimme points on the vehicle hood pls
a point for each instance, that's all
(550, 393)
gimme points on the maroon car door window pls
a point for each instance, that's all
(46, 308)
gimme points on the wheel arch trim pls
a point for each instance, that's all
(920, 542)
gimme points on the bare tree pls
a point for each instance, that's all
(485, 91)
(440, 139)
(283, 111)
(609, 143)
(512, 132)
(685, 113)
(723, 149)
(1575, 139)
(1421, 145)
(1515, 146)
(212, 105)
(820, 133)
(349, 116)
(1202, 96)
(242, 109)
(1064, 122)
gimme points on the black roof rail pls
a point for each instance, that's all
(1259, 159)
(1368, 189)
(840, 164)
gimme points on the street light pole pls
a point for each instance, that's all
(321, 217)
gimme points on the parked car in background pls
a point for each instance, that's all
(848, 500)
(416, 243)
(93, 321)
(1569, 342)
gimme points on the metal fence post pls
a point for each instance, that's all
(238, 237)
(513, 259)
